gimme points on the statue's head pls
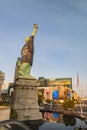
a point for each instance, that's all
(27, 39)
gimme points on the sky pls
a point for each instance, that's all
(60, 45)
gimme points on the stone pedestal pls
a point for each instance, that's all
(26, 100)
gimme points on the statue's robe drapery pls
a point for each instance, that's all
(24, 64)
(28, 51)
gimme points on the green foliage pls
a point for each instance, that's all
(40, 98)
(4, 101)
(48, 101)
(54, 102)
(76, 101)
(68, 103)
(13, 113)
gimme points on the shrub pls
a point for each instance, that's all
(68, 103)
(13, 113)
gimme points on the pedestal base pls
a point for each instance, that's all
(26, 99)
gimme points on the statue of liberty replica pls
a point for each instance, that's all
(25, 86)
(24, 64)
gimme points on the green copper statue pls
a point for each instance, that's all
(24, 64)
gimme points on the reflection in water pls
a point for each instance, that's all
(56, 121)
(69, 120)
(55, 115)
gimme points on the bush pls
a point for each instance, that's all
(40, 98)
(48, 101)
(13, 114)
(68, 104)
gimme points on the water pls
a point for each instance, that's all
(56, 121)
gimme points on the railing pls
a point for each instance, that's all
(59, 109)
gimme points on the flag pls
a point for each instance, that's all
(77, 79)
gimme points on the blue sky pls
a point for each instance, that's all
(60, 43)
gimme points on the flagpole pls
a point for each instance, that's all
(78, 85)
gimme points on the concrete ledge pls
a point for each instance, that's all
(4, 113)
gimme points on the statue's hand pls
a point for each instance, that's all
(35, 26)
(35, 29)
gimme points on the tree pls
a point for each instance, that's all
(68, 103)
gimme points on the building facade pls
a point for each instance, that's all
(56, 89)
(2, 77)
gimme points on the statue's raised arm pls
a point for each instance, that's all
(35, 29)
(24, 63)
(28, 49)
(33, 33)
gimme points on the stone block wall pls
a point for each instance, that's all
(26, 100)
